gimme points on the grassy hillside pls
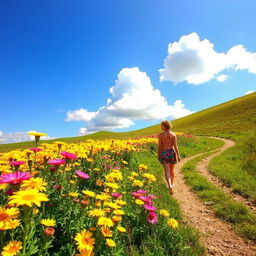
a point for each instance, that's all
(230, 119)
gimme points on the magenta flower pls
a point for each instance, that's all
(56, 161)
(152, 218)
(146, 199)
(9, 192)
(116, 195)
(82, 175)
(117, 168)
(150, 207)
(68, 155)
(35, 149)
(17, 163)
(142, 191)
(14, 178)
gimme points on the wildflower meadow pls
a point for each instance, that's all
(85, 198)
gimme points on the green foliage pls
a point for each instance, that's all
(236, 167)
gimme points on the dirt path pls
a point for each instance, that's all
(217, 236)
(202, 167)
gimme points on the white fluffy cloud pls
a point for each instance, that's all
(18, 137)
(133, 97)
(249, 92)
(222, 78)
(195, 61)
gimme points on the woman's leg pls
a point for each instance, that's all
(171, 166)
(167, 174)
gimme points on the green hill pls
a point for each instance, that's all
(230, 119)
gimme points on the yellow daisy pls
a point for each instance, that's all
(28, 197)
(172, 223)
(12, 248)
(139, 202)
(85, 241)
(105, 222)
(117, 218)
(96, 213)
(8, 214)
(106, 232)
(118, 212)
(121, 229)
(164, 213)
(37, 134)
(110, 243)
(137, 183)
(112, 185)
(48, 222)
(85, 253)
(36, 183)
(11, 224)
(88, 193)
(73, 194)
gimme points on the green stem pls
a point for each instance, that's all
(1, 239)
(27, 217)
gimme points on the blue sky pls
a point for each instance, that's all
(60, 56)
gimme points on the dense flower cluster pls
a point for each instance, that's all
(75, 199)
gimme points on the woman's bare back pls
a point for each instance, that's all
(167, 139)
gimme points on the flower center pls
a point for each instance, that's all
(86, 240)
(29, 197)
(3, 216)
(13, 249)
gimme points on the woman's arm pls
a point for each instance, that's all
(159, 148)
(176, 148)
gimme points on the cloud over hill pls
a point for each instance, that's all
(133, 98)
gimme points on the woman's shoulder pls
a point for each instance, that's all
(173, 134)
(160, 134)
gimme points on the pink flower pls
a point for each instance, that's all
(82, 175)
(116, 195)
(136, 194)
(116, 168)
(152, 196)
(150, 207)
(56, 161)
(142, 191)
(35, 149)
(17, 163)
(68, 155)
(14, 178)
(152, 218)
(145, 199)
(53, 168)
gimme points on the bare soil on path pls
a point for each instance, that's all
(217, 235)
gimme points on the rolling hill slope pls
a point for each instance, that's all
(230, 119)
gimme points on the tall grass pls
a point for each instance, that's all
(236, 167)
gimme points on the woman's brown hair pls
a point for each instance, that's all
(167, 125)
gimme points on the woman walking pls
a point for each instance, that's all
(168, 152)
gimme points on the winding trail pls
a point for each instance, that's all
(217, 235)
(202, 167)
